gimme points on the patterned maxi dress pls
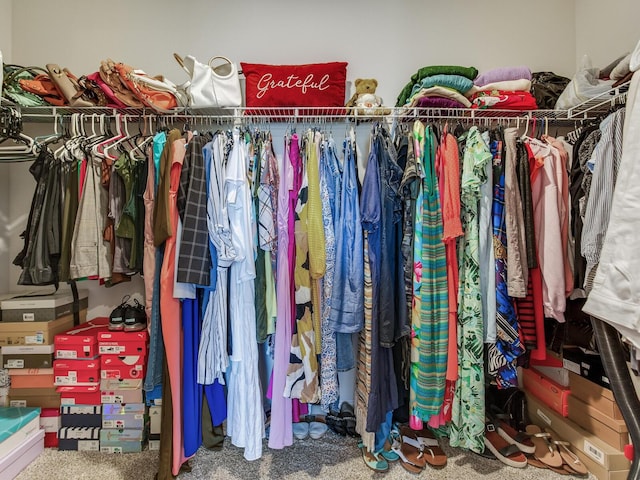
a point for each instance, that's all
(468, 412)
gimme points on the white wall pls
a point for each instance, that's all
(606, 30)
(388, 40)
(382, 39)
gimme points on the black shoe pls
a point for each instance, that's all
(135, 318)
(348, 415)
(116, 319)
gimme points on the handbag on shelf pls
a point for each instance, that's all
(64, 82)
(209, 86)
(42, 86)
(113, 86)
(154, 92)
(12, 90)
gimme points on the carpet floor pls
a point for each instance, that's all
(332, 457)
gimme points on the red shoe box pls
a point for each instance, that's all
(50, 420)
(546, 390)
(76, 372)
(115, 366)
(123, 343)
(50, 439)
(80, 342)
(80, 395)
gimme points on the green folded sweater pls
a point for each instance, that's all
(405, 94)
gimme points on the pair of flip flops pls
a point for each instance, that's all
(342, 422)
(554, 454)
(417, 448)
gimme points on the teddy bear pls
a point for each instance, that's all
(365, 101)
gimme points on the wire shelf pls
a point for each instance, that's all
(589, 109)
(599, 104)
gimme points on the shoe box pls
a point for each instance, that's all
(82, 439)
(123, 343)
(582, 442)
(155, 419)
(27, 356)
(121, 396)
(586, 364)
(122, 440)
(551, 393)
(36, 333)
(50, 423)
(560, 375)
(595, 395)
(111, 384)
(79, 395)
(610, 430)
(80, 342)
(130, 416)
(50, 420)
(34, 397)
(42, 308)
(122, 366)
(81, 415)
(22, 455)
(50, 439)
(31, 377)
(76, 372)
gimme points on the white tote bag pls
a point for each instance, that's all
(211, 87)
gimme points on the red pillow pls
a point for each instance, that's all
(310, 85)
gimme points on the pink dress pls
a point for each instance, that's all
(170, 309)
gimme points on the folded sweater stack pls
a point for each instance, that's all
(438, 86)
(505, 88)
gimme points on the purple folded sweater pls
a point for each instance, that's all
(501, 74)
(438, 102)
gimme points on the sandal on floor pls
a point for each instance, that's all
(545, 451)
(520, 439)
(507, 453)
(433, 453)
(373, 461)
(388, 453)
(412, 451)
(410, 456)
(572, 463)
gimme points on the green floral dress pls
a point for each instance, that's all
(468, 412)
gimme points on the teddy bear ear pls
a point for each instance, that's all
(357, 82)
(375, 82)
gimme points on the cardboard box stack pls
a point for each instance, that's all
(125, 420)
(27, 331)
(21, 439)
(77, 379)
(583, 412)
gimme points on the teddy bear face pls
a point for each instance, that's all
(367, 85)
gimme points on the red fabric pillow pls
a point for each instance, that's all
(310, 85)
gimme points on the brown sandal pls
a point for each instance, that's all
(545, 451)
(433, 453)
(507, 453)
(572, 463)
